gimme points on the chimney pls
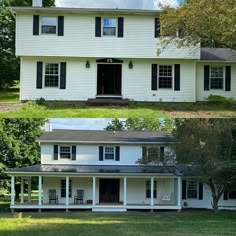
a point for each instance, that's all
(48, 126)
(37, 3)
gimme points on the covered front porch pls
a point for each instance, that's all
(100, 191)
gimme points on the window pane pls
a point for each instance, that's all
(49, 29)
(51, 75)
(109, 31)
(109, 153)
(217, 83)
(192, 189)
(51, 81)
(63, 188)
(109, 23)
(148, 189)
(217, 77)
(165, 76)
(49, 21)
(65, 152)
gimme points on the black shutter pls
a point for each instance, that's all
(98, 26)
(157, 27)
(55, 152)
(225, 195)
(101, 153)
(39, 76)
(154, 76)
(60, 25)
(120, 27)
(184, 188)
(35, 25)
(73, 153)
(228, 78)
(206, 78)
(177, 77)
(200, 191)
(117, 153)
(63, 76)
(144, 151)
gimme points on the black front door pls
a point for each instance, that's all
(109, 190)
(109, 79)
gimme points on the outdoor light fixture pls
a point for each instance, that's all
(131, 66)
(87, 64)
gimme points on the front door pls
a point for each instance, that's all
(109, 79)
(109, 190)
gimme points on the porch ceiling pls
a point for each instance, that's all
(85, 169)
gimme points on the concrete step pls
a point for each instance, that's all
(109, 209)
(108, 101)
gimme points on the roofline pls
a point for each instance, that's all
(216, 61)
(101, 11)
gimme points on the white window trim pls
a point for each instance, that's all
(223, 89)
(59, 69)
(42, 25)
(104, 156)
(115, 18)
(59, 152)
(173, 75)
(187, 189)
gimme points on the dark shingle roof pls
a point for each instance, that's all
(82, 136)
(98, 169)
(218, 54)
(189, 170)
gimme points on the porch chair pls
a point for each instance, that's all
(80, 197)
(53, 196)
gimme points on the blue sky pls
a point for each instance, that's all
(127, 4)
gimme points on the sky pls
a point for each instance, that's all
(80, 124)
(125, 4)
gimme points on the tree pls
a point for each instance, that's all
(202, 21)
(210, 146)
(9, 64)
(140, 125)
(18, 146)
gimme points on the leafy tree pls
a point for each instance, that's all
(18, 146)
(140, 125)
(210, 146)
(204, 21)
(9, 64)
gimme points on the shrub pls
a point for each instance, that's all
(220, 99)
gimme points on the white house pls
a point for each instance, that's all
(98, 171)
(70, 54)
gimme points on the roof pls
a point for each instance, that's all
(218, 54)
(88, 136)
(100, 11)
(98, 169)
(189, 170)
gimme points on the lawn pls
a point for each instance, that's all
(132, 223)
(10, 95)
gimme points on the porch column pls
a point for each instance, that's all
(12, 190)
(94, 191)
(125, 191)
(29, 189)
(22, 191)
(152, 190)
(40, 190)
(67, 190)
(179, 191)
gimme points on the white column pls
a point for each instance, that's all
(125, 191)
(152, 190)
(29, 189)
(40, 190)
(12, 190)
(179, 191)
(67, 190)
(22, 191)
(94, 191)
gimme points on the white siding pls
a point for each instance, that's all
(79, 40)
(89, 155)
(82, 82)
(203, 95)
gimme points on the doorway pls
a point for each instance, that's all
(109, 190)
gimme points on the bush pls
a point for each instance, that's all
(220, 99)
(41, 102)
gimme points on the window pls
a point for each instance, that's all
(165, 76)
(192, 189)
(51, 75)
(148, 189)
(65, 152)
(109, 153)
(109, 27)
(216, 77)
(49, 25)
(63, 188)
(154, 151)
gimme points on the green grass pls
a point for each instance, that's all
(188, 223)
(10, 95)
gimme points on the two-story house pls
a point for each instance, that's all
(98, 171)
(72, 54)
